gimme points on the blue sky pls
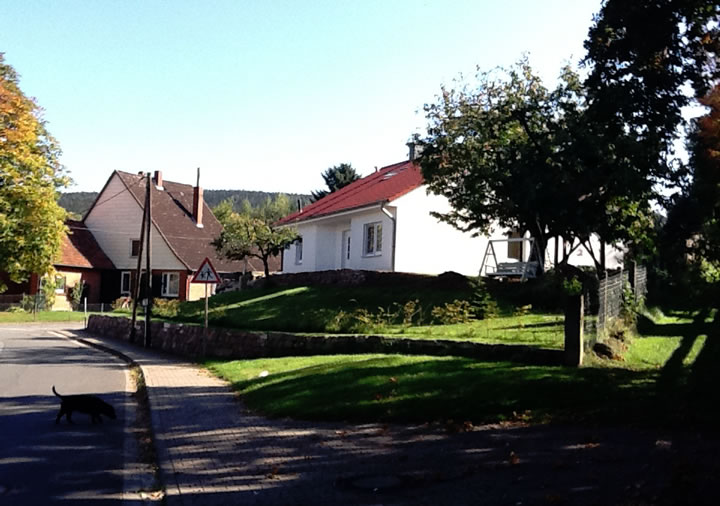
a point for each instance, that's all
(262, 95)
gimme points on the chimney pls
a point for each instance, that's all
(158, 180)
(198, 202)
(413, 150)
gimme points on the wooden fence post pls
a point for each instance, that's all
(574, 316)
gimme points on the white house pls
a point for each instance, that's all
(383, 222)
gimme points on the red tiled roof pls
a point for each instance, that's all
(172, 215)
(387, 184)
(79, 249)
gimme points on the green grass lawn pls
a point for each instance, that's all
(649, 387)
(41, 316)
(315, 310)
(543, 330)
(306, 308)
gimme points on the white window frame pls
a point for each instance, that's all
(131, 247)
(299, 251)
(129, 282)
(165, 292)
(374, 249)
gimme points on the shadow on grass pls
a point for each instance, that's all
(383, 389)
(691, 393)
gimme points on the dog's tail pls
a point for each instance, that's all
(55, 392)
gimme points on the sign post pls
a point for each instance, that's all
(206, 274)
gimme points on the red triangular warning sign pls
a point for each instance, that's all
(206, 273)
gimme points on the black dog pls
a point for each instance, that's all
(90, 404)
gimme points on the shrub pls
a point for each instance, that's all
(166, 308)
(28, 302)
(483, 304)
(457, 311)
(47, 289)
(76, 293)
(632, 306)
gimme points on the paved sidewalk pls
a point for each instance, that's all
(213, 451)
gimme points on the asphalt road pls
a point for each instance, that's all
(44, 463)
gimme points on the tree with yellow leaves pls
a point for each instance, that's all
(31, 221)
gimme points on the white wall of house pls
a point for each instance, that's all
(429, 246)
(424, 244)
(323, 246)
(115, 221)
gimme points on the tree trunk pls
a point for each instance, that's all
(266, 265)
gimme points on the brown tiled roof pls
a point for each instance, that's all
(79, 249)
(172, 215)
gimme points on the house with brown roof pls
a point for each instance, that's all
(183, 229)
(81, 261)
(385, 222)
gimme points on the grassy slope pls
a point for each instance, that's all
(645, 388)
(308, 308)
(314, 309)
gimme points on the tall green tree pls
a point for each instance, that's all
(31, 221)
(645, 58)
(253, 233)
(693, 226)
(506, 151)
(336, 177)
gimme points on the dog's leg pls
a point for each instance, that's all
(69, 417)
(59, 416)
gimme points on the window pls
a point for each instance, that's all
(125, 283)
(134, 247)
(59, 284)
(373, 239)
(170, 284)
(298, 251)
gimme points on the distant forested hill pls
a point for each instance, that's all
(79, 202)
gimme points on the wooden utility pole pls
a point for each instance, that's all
(148, 269)
(138, 271)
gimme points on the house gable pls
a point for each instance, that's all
(115, 218)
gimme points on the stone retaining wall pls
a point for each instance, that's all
(189, 341)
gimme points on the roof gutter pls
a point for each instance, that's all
(393, 219)
(332, 215)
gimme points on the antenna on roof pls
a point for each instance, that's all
(376, 168)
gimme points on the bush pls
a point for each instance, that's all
(483, 304)
(28, 302)
(362, 320)
(166, 308)
(76, 293)
(457, 311)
